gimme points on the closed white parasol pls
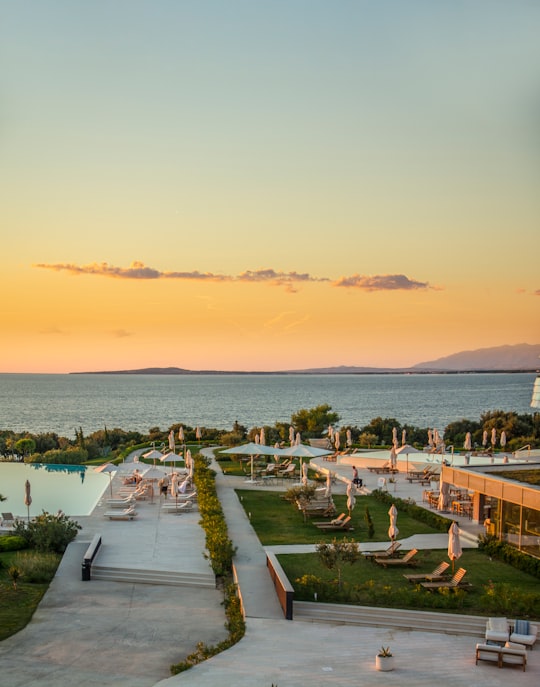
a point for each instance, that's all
(454, 544)
(351, 501)
(27, 497)
(393, 529)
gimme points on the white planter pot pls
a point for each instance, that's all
(384, 663)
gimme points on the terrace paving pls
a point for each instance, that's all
(121, 633)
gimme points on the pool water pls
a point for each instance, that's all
(74, 489)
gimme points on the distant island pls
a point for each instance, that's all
(517, 358)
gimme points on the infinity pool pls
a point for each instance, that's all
(74, 489)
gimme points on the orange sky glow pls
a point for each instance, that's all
(269, 186)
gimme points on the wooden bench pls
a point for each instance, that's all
(88, 558)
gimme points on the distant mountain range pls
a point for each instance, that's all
(518, 358)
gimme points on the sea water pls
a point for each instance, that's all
(65, 403)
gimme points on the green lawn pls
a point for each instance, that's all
(497, 588)
(18, 605)
(276, 521)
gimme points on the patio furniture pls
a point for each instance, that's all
(524, 633)
(8, 520)
(455, 581)
(390, 552)
(408, 559)
(127, 514)
(509, 654)
(437, 574)
(180, 507)
(289, 471)
(497, 630)
(343, 525)
(121, 503)
(335, 521)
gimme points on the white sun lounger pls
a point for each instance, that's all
(180, 507)
(121, 503)
(126, 514)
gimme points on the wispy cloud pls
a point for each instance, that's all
(121, 333)
(289, 280)
(381, 282)
(137, 270)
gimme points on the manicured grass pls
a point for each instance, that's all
(17, 606)
(276, 521)
(497, 588)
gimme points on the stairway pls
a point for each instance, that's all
(146, 576)
(339, 614)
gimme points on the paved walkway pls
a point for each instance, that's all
(118, 634)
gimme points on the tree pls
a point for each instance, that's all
(335, 554)
(369, 523)
(367, 439)
(315, 421)
(24, 447)
(382, 427)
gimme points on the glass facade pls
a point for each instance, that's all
(517, 525)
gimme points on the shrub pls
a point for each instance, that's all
(218, 544)
(12, 542)
(502, 551)
(422, 514)
(507, 600)
(48, 532)
(37, 567)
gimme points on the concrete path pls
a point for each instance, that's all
(118, 634)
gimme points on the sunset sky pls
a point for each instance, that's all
(267, 185)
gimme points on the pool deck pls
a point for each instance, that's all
(120, 634)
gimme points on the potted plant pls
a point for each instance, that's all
(384, 659)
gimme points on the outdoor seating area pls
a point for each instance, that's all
(509, 654)
(502, 630)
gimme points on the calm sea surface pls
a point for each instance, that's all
(63, 403)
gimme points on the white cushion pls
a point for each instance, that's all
(498, 624)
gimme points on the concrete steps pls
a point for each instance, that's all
(161, 577)
(339, 614)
